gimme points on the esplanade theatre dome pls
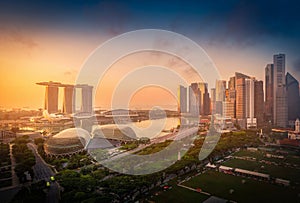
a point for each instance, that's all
(68, 141)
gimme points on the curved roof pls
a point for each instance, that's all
(114, 132)
(67, 141)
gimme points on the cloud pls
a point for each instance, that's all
(70, 75)
(111, 17)
(17, 36)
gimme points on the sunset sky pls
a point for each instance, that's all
(43, 41)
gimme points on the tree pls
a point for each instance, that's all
(38, 141)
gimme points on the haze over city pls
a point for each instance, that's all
(149, 101)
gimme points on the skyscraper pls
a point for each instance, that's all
(231, 83)
(194, 99)
(240, 87)
(259, 103)
(51, 99)
(86, 101)
(292, 86)
(231, 96)
(280, 95)
(269, 88)
(182, 95)
(213, 100)
(241, 101)
(249, 103)
(51, 96)
(69, 94)
(205, 101)
(220, 90)
(220, 95)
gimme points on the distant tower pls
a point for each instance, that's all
(205, 102)
(297, 126)
(213, 100)
(280, 95)
(220, 95)
(259, 102)
(249, 103)
(182, 96)
(69, 95)
(86, 99)
(51, 96)
(292, 86)
(269, 88)
(194, 99)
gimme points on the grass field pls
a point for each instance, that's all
(179, 195)
(275, 171)
(220, 184)
(259, 155)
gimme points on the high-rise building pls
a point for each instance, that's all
(194, 99)
(220, 95)
(69, 96)
(231, 95)
(259, 103)
(228, 109)
(51, 99)
(86, 101)
(249, 97)
(205, 101)
(292, 86)
(213, 100)
(240, 75)
(269, 88)
(202, 86)
(182, 95)
(279, 92)
(240, 87)
(51, 96)
(297, 126)
(231, 83)
(220, 90)
(251, 121)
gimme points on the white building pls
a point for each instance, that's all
(295, 135)
(250, 120)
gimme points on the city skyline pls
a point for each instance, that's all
(54, 49)
(64, 107)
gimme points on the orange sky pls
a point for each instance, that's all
(58, 56)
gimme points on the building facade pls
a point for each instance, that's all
(292, 86)
(269, 88)
(280, 110)
(182, 96)
(259, 103)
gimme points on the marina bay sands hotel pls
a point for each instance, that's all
(51, 97)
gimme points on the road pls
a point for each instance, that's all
(42, 171)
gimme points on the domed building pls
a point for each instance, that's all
(114, 132)
(75, 140)
(109, 136)
(67, 142)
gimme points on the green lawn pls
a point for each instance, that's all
(220, 184)
(259, 155)
(275, 171)
(255, 154)
(179, 195)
